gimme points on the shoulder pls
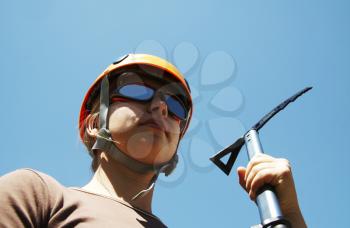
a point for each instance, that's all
(28, 181)
(25, 176)
(26, 195)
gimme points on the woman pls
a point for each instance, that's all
(131, 121)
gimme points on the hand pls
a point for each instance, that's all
(264, 169)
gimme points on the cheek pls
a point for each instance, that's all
(122, 119)
(174, 127)
(174, 133)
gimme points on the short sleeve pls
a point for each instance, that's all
(23, 199)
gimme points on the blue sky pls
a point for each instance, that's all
(259, 52)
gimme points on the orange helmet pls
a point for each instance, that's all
(148, 63)
(154, 67)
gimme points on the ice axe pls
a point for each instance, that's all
(266, 200)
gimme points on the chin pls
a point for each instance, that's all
(146, 146)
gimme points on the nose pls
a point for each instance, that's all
(158, 105)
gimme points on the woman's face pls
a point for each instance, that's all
(144, 130)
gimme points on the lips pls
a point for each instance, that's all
(154, 124)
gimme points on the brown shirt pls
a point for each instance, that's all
(32, 199)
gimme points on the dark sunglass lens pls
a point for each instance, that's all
(136, 91)
(176, 107)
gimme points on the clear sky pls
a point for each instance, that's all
(241, 57)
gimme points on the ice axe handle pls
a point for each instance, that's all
(266, 200)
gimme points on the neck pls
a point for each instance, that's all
(115, 180)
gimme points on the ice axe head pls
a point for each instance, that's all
(233, 150)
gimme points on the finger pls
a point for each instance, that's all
(255, 170)
(259, 158)
(241, 173)
(265, 176)
(276, 175)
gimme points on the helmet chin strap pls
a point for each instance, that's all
(105, 143)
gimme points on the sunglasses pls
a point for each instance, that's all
(137, 91)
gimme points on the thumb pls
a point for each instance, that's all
(241, 173)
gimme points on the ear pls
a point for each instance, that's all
(91, 128)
